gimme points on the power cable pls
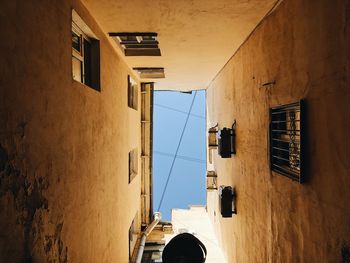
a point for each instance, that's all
(177, 110)
(187, 158)
(177, 150)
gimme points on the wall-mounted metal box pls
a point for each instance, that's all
(226, 199)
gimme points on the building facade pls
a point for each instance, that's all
(76, 83)
(195, 220)
(294, 54)
(75, 183)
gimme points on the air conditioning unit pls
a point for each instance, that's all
(227, 142)
(226, 199)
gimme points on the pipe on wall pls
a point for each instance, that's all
(156, 218)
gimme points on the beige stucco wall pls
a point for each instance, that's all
(64, 192)
(195, 220)
(304, 47)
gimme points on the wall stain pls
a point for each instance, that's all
(28, 199)
(54, 248)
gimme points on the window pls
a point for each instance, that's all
(85, 54)
(132, 236)
(137, 43)
(212, 183)
(133, 166)
(150, 72)
(287, 140)
(132, 93)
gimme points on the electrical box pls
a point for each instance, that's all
(226, 199)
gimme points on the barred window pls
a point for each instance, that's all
(286, 140)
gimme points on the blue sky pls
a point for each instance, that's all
(187, 181)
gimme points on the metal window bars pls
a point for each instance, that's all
(287, 140)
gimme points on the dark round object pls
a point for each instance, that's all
(184, 248)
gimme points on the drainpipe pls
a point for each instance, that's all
(156, 218)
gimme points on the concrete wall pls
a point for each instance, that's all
(64, 192)
(304, 47)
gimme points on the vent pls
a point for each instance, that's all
(150, 73)
(137, 43)
(286, 146)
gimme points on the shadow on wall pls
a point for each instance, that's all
(345, 253)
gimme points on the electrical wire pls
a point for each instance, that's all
(177, 150)
(177, 110)
(186, 158)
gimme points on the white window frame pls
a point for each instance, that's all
(79, 55)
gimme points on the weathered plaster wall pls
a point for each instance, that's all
(304, 47)
(64, 192)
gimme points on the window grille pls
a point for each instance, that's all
(287, 140)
